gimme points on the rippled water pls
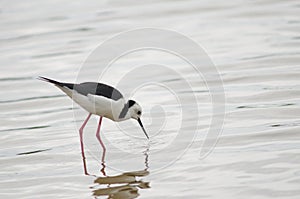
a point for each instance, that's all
(255, 46)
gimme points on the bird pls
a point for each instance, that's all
(102, 100)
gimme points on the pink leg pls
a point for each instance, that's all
(99, 138)
(104, 149)
(81, 142)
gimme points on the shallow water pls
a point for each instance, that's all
(255, 46)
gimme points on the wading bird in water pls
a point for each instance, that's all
(100, 99)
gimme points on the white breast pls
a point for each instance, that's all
(96, 104)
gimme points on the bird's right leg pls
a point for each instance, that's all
(81, 142)
(99, 138)
(103, 147)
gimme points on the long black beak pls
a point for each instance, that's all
(141, 124)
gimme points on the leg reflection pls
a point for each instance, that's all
(124, 185)
(103, 164)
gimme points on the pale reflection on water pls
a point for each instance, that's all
(121, 186)
(125, 185)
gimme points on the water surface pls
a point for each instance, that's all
(255, 46)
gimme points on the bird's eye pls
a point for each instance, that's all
(139, 112)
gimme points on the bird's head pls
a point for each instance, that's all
(135, 111)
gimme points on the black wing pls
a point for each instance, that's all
(97, 89)
(89, 88)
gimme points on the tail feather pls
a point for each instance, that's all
(56, 83)
(48, 80)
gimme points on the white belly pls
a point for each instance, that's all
(97, 105)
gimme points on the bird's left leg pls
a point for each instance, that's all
(81, 142)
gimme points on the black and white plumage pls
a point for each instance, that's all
(101, 99)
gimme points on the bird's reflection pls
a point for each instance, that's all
(129, 185)
(125, 185)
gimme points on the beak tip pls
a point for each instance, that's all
(140, 122)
